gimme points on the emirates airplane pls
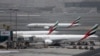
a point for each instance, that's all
(50, 39)
(49, 25)
(51, 29)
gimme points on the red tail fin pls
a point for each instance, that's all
(90, 32)
(75, 22)
(52, 29)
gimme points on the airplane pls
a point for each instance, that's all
(49, 25)
(33, 32)
(52, 28)
(50, 39)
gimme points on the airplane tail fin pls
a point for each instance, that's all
(90, 32)
(75, 21)
(57, 22)
(52, 29)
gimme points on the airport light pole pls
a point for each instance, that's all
(10, 18)
(16, 10)
(10, 38)
(9, 28)
(13, 38)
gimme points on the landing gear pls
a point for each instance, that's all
(91, 48)
(80, 47)
(72, 43)
(82, 43)
(92, 43)
(74, 47)
(78, 43)
(86, 47)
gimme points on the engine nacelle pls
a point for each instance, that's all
(48, 41)
(46, 27)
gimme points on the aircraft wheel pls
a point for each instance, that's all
(86, 47)
(72, 43)
(80, 47)
(78, 43)
(92, 48)
(75, 47)
(92, 43)
(86, 43)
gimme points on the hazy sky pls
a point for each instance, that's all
(39, 3)
(72, 10)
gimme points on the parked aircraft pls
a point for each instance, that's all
(33, 32)
(52, 26)
(49, 25)
(50, 39)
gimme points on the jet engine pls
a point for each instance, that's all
(48, 41)
(46, 27)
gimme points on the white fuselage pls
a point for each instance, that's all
(51, 24)
(33, 32)
(70, 37)
(43, 35)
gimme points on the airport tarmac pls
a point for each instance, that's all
(42, 52)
